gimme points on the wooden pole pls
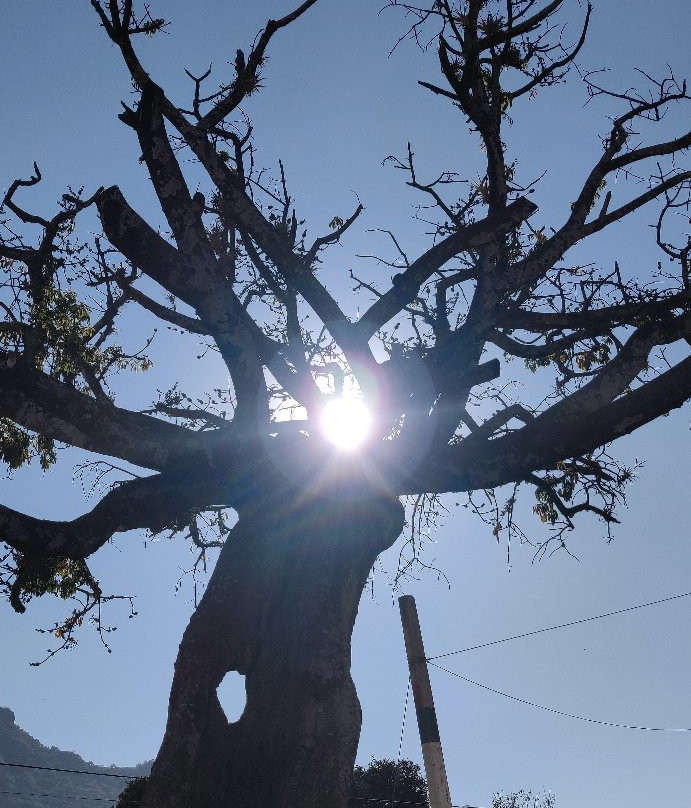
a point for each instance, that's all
(432, 754)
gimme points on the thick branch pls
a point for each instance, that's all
(605, 219)
(249, 218)
(184, 216)
(470, 237)
(150, 502)
(176, 318)
(595, 321)
(142, 245)
(238, 337)
(616, 376)
(536, 351)
(43, 404)
(544, 442)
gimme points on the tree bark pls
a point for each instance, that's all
(279, 609)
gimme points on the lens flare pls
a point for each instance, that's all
(346, 422)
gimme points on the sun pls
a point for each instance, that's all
(346, 422)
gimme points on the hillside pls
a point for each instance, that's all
(31, 788)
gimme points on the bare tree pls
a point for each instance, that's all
(239, 272)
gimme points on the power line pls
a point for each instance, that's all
(66, 797)
(384, 801)
(69, 771)
(446, 670)
(380, 800)
(405, 713)
(561, 625)
(560, 712)
(56, 796)
(400, 741)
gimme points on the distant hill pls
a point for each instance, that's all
(31, 788)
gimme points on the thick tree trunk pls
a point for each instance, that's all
(279, 609)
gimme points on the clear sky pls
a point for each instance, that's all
(333, 107)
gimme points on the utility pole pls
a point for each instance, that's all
(437, 784)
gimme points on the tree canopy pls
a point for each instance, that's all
(426, 357)
(390, 781)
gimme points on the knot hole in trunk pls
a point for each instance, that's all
(232, 695)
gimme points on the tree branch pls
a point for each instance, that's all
(41, 403)
(151, 502)
(246, 73)
(176, 318)
(472, 236)
(542, 443)
(594, 321)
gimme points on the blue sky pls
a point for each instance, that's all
(333, 107)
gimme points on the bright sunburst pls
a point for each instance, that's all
(346, 422)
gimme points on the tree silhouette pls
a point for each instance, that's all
(391, 781)
(239, 272)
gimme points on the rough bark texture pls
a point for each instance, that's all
(279, 609)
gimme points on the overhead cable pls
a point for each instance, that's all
(562, 713)
(56, 796)
(69, 771)
(382, 801)
(561, 625)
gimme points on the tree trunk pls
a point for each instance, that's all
(279, 609)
